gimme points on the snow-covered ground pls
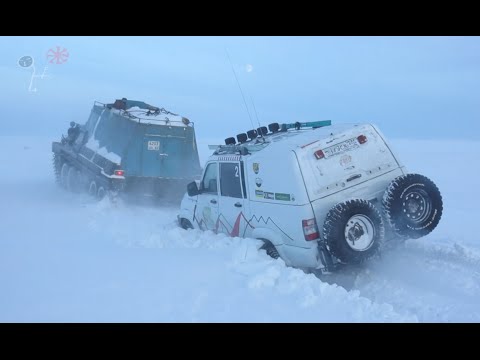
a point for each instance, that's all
(66, 258)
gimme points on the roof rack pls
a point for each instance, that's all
(312, 124)
(252, 145)
(148, 115)
(229, 149)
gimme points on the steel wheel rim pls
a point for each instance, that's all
(417, 206)
(92, 189)
(359, 232)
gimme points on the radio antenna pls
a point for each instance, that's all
(258, 121)
(241, 91)
(255, 109)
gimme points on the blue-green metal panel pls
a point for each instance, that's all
(177, 154)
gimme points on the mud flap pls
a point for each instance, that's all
(326, 259)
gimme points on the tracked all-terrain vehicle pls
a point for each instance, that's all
(128, 147)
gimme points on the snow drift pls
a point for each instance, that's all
(67, 258)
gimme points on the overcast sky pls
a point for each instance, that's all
(412, 87)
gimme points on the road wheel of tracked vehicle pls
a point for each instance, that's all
(353, 231)
(413, 205)
(101, 192)
(64, 175)
(57, 168)
(92, 189)
(73, 179)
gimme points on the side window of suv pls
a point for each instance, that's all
(209, 182)
(230, 180)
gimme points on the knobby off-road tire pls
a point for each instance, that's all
(353, 231)
(412, 205)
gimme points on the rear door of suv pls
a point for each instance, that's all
(345, 160)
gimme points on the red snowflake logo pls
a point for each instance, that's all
(58, 56)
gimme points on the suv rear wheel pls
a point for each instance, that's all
(353, 231)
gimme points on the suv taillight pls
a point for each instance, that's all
(319, 154)
(310, 229)
(119, 172)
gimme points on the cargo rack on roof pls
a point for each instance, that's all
(259, 142)
(312, 124)
(149, 116)
(242, 149)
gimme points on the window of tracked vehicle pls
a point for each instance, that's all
(230, 184)
(209, 182)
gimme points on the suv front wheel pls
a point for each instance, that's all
(185, 224)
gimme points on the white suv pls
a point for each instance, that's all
(317, 194)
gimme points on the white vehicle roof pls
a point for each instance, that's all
(329, 159)
(291, 139)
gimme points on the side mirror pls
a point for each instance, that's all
(192, 189)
